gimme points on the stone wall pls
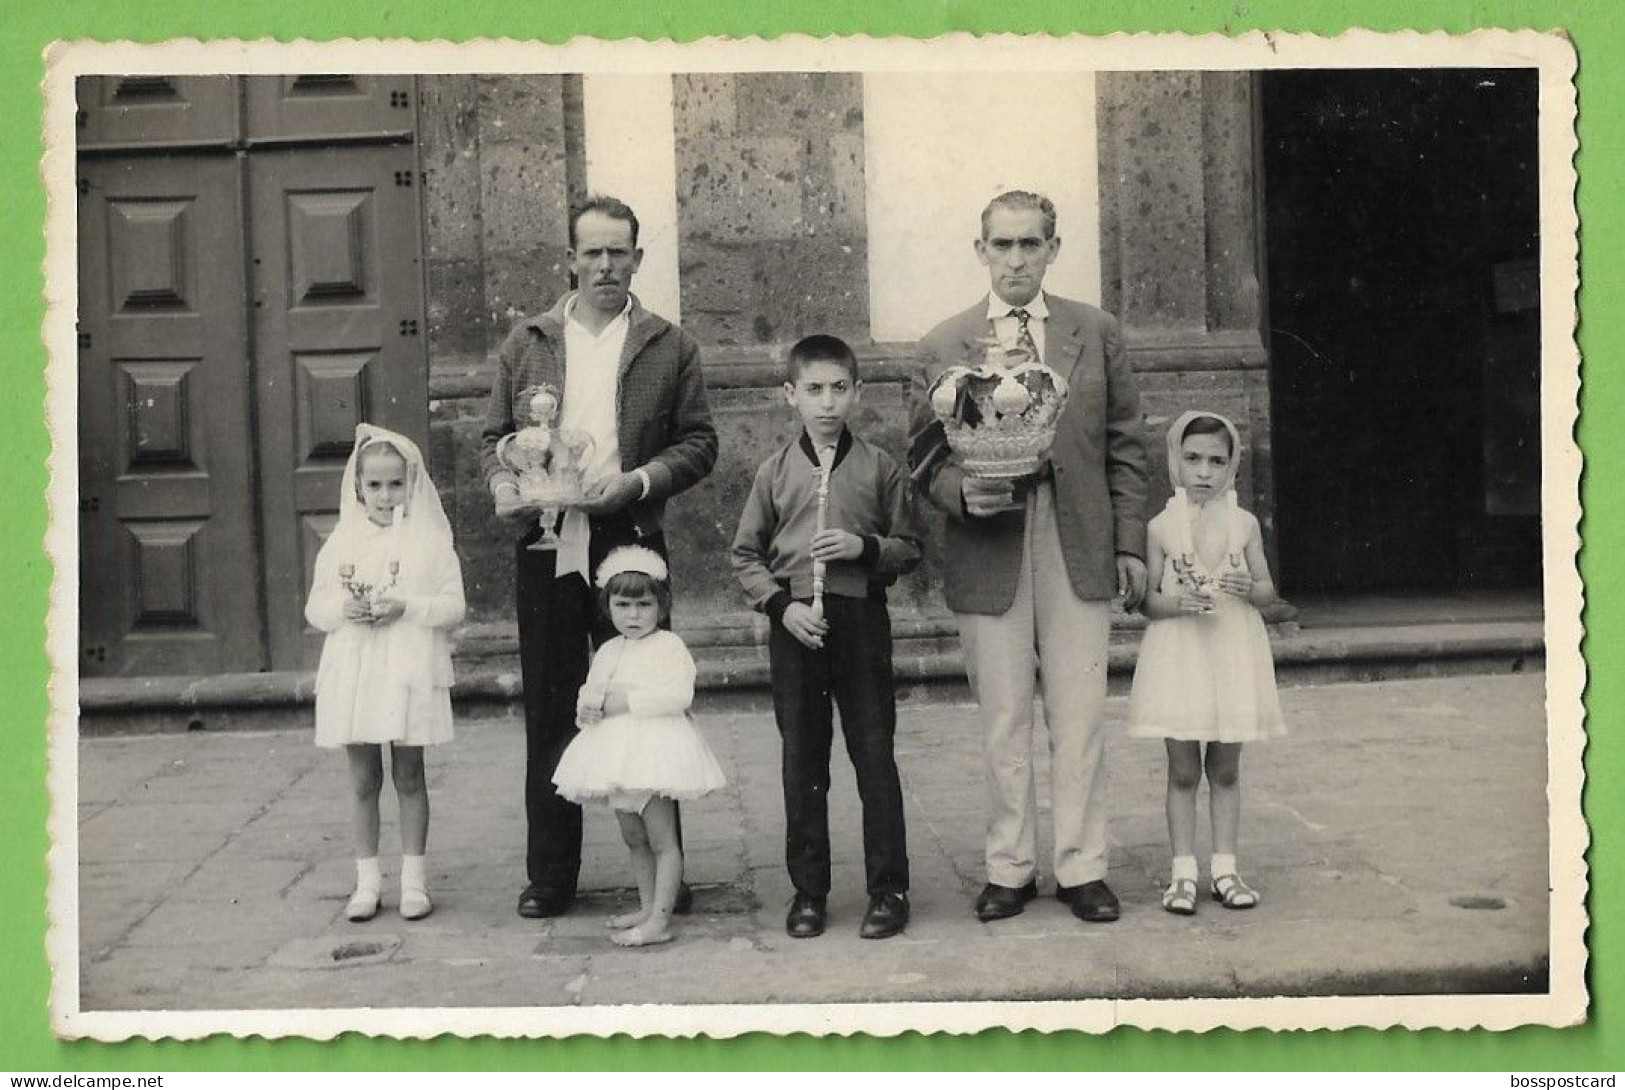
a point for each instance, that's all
(770, 199)
(771, 215)
(500, 157)
(1180, 259)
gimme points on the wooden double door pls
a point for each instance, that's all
(251, 287)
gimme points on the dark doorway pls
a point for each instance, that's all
(1402, 218)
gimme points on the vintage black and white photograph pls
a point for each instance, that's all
(824, 536)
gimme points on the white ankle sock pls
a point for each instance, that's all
(1222, 865)
(369, 874)
(369, 881)
(415, 902)
(412, 873)
(1184, 866)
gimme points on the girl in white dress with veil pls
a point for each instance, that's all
(387, 589)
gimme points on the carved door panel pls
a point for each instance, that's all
(250, 288)
(169, 573)
(338, 339)
(315, 107)
(146, 111)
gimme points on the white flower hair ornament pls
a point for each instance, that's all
(632, 558)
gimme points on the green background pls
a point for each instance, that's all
(26, 1043)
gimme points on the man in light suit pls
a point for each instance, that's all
(1031, 565)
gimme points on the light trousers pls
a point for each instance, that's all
(1049, 632)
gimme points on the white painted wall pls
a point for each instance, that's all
(631, 150)
(938, 147)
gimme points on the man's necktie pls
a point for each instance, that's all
(1024, 335)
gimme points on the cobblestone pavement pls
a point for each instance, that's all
(1398, 836)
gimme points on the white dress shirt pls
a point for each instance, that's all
(1006, 327)
(592, 368)
(592, 375)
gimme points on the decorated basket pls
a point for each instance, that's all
(1000, 415)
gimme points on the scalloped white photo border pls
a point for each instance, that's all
(1551, 53)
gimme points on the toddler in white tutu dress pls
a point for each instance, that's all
(386, 589)
(1205, 673)
(638, 750)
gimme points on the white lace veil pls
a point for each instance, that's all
(420, 523)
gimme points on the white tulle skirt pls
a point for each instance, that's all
(1207, 678)
(628, 755)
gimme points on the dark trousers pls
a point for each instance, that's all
(559, 626)
(855, 667)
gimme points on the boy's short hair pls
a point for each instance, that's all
(636, 584)
(820, 348)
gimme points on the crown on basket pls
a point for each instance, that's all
(999, 415)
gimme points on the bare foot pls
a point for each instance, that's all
(648, 933)
(626, 919)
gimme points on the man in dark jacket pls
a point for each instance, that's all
(632, 381)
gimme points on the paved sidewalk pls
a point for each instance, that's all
(1398, 837)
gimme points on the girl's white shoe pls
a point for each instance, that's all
(415, 904)
(362, 905)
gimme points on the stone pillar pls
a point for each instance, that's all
(524, 194)
(771, 205)
(448, 151)
(1181, 259)
(501, 160)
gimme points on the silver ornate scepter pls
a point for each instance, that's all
(826, 462)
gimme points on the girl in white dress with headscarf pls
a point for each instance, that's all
(387, 589)
(1205, 678)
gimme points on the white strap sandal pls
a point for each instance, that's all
(1180, 897)
(1230, 891)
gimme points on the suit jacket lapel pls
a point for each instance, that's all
(1063, 341)
(977, 327)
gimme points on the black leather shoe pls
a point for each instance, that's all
(541, 902)
(805, 918)
(887, 915)
(685, 900)
(1093, 902)
(998, 902)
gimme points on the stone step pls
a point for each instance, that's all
(733, 672)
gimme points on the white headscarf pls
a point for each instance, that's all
(1179, 506)
(420, 527)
